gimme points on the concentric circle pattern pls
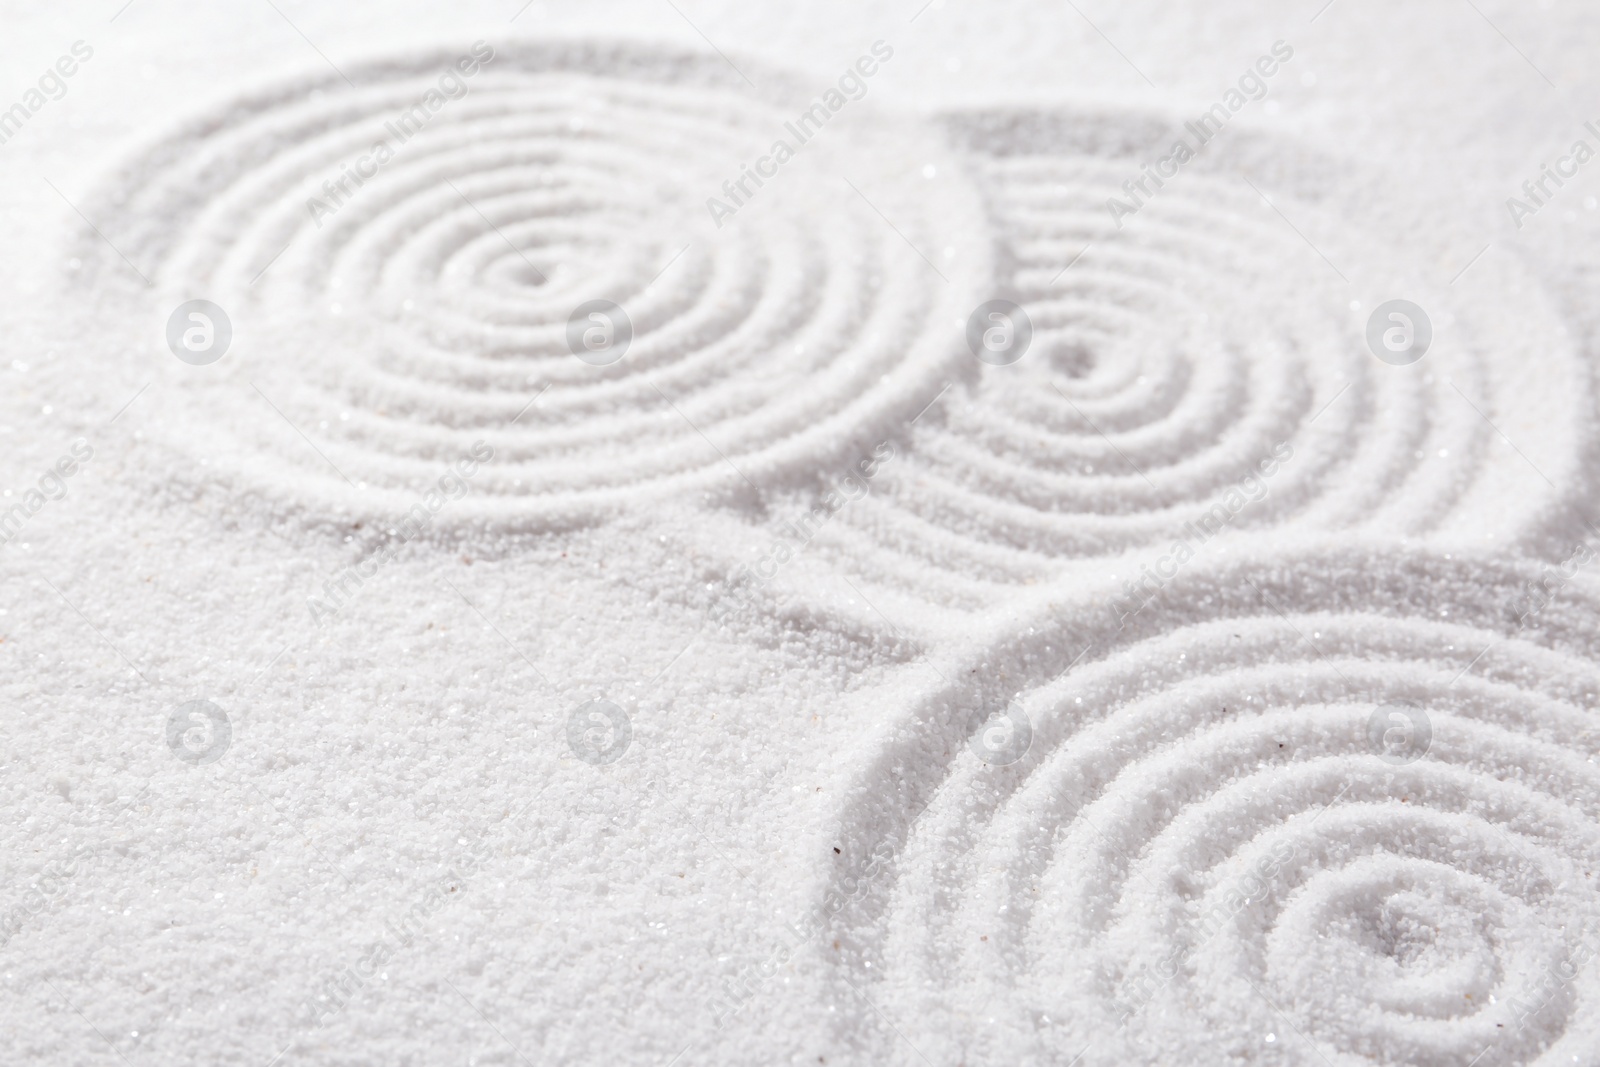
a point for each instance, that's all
(395, 319)
(1205, 355)
(1205, 856)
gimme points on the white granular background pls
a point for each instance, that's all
(788, 684)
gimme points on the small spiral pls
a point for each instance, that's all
(1200, 365)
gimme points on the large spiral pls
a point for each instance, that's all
(1329, 808)
(397, 319)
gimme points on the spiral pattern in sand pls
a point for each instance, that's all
(429, 308)
(1172, 358)
(1315, 823)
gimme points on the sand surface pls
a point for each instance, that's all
(721, 533)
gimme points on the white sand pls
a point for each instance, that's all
(797, 687)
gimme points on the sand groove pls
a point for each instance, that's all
(429, 307)
(1207, 847)
(1203, 342)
